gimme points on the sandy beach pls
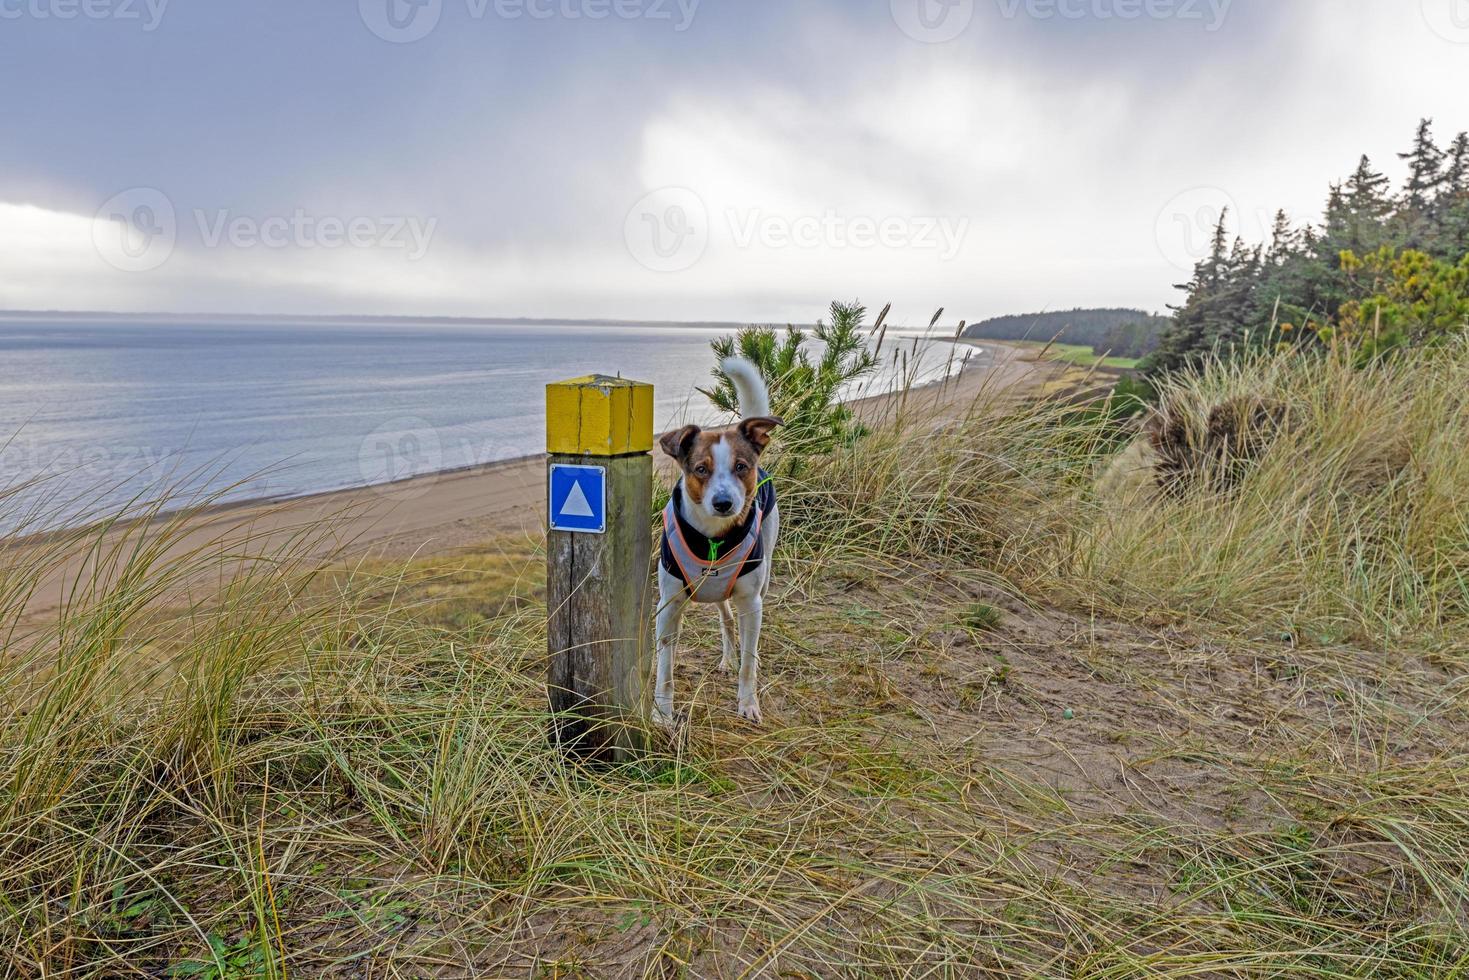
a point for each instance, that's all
(439, 513)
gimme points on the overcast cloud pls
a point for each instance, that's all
(680, 159)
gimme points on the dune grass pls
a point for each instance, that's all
(1354, 525)
(1016, 727)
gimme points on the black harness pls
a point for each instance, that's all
(710, 567)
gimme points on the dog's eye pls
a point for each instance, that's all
(701, 470)
(742, 467)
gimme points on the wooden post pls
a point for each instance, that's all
(599, 594)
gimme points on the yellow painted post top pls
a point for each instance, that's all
(599, 416)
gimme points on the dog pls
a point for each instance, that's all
(719, 533)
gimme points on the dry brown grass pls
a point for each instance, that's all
(1347, 519)
(348, 775)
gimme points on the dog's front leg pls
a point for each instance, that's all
(729, 648)
(670, 618)
(750, 610)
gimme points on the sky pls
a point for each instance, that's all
(730, 160)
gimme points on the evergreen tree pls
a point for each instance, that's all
(1185, 340)
(1219, 307)
(1336, 227)
(1372, 254)
(1137, 338)
(1235, 320)
(1456, 176)
(806, 393)
(1366, 191)
(1416, 218)
(1284, 241)
(1091, 327)
(1452, 207)
(1291, 292)
(1425, 170)
(1367, 209)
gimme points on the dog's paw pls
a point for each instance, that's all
(726, 664)
(750, 711)
(671, 729)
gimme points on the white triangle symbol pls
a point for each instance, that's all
(576, 503)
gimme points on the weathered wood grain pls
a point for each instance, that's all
(599, 602)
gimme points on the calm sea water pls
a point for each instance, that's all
(95, 412)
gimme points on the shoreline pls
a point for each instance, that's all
(487, 468)
(405, 485)
(446, 511)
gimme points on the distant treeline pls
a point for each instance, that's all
(1118, 332)
(1384, 269)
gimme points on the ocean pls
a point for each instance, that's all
(97, 412)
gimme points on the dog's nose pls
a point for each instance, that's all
(723, 505)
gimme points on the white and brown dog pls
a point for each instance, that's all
(719, 532)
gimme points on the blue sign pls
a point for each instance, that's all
(579, 499)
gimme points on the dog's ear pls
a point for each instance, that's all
(757, 431)
(678, 442)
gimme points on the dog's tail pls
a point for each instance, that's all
(749, 387)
